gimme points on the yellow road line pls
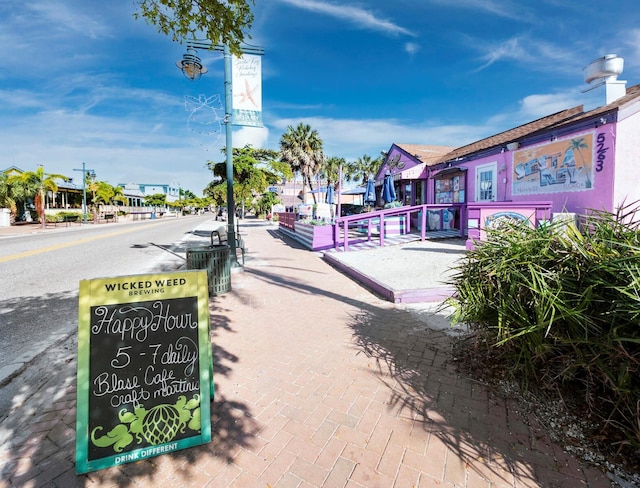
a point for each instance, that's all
(33, 252)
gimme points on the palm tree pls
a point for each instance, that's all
(577, 145)
(37, 183)
(301, 148)
(7, 196)
(331, 167)
(118, 196)
(362, 169)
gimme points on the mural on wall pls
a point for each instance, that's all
(559, 166)
(497, 218)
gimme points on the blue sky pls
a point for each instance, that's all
(83, 81)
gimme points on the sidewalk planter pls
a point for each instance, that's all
(314, 237)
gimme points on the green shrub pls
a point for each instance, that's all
(60, 216)
(314, 222)
(559, 310)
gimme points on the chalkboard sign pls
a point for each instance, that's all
(144, 367)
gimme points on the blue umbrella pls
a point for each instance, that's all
(388, 191)
(370, 193)
(329, 198)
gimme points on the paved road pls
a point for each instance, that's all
(41, 272)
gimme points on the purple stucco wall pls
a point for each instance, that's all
(574, 172)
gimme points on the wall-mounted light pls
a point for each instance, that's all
(554, 138)
(512, 146)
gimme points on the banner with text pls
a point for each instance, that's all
(144, 367)
(246, 79)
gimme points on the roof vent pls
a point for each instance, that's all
(605, 71)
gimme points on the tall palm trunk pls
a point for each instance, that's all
(310, 181)
(39, 203)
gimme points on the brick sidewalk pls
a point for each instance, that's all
(318, 383)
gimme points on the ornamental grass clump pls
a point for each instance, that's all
(558, 310)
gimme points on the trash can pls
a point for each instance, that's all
(215, 259)
(5, 217)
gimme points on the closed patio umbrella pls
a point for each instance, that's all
(329, 196)
(370, 193)
(388, 191)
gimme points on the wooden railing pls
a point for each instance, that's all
(287, 219)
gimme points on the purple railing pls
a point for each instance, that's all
(381, 220)
(467, 221)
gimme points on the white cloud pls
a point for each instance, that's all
(492, 7)
(535, 106)
(119, 150)
(66, 18)
(632, 47)
(351, 138)
(522, 50)
(358, 16)
(255, 136)
(411, 47)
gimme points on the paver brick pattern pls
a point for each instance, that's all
(318, 384)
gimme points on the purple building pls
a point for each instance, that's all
(568, 162)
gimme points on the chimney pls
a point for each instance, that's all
(605, 71)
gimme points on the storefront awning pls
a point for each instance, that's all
(414, 173)
(450, 171)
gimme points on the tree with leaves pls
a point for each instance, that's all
(104, 193)
(301, 148)
(362, 169)
(36, 184)
(253, 171)
(331, 170)
(223, 21)
(156, 200)
(7, 195)
(264, 204)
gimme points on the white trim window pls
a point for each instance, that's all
(487, 182)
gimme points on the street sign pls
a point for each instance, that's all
(144, 367)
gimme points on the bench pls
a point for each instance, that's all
(66, 220)
(223, 241)
(109, 217)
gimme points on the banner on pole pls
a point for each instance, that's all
(246, 78)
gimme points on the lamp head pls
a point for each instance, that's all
(190, 65)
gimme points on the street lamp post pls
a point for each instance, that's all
(84, 189)
(193, 69)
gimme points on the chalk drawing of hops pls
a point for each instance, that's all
(161, 424)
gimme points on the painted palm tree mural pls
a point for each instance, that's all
(576, 145)
(554, 167)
